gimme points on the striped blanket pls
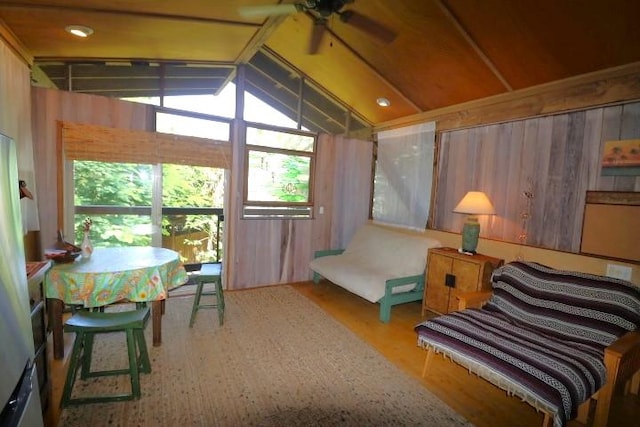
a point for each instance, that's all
(541, 336)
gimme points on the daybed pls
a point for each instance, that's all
(555, 339)
(379, 264)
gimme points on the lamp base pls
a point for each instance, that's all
(470, 234)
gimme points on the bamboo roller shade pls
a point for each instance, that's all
(90, 142)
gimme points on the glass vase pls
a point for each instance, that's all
(86, 246)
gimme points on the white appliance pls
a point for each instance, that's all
(19, 396)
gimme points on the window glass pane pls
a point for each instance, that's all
(275, 177)
(222, 105)
(194, 233)
(258, 111)
(276, 139)
(115, 230)
(191, 126)
(197, 238)
(117, 198)
(112, 184)
(192, 186)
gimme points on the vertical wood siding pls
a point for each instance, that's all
(272, 251)
(51, 106)
(557, 157)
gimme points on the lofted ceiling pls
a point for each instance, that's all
(445, 52)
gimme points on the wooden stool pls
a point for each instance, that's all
(209, 273)
(88, 323)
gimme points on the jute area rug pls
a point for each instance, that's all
(278, 360)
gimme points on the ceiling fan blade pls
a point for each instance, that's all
(267, 10)
(319, 27)
(368, 25)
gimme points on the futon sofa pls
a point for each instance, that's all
(556, 339)
(380, 264)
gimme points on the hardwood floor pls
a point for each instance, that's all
(480, 402)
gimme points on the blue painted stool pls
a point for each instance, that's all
(209, 273)
(88, 323)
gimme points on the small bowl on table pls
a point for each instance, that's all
(61, 256)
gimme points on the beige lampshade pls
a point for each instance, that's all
(475, 203)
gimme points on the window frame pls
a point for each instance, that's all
(255, 209)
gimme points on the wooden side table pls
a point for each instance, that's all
(450, 273)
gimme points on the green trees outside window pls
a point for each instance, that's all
(119, 198)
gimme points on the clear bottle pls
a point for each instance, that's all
(86, 246)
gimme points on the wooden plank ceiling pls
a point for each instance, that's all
(445, 52)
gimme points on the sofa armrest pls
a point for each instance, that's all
(320, 254)
(401, 281)
(473, 299)
(389, 299)
(622, 360)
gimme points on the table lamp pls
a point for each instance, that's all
(474, 203)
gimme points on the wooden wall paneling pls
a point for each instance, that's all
(453, 175)
(446, 185)
(554, 181)
(301, 252)
(441, 185)
(572, 196)
(612, 120)
(510, 202)
(529, 150)
(630, 129)
(323, 193)
(541, 153)
(556, 157)
(595, 144)
(490, 165)
(278, 251)
(604, 87)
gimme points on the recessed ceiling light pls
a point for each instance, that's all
(79, 30)
(383, 102)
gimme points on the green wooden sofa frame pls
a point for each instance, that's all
(389, 299)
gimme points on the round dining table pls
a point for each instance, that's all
(111, 275)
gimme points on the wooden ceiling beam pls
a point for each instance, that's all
(259, 38)
(15, 44)
(465, 34)
(605, 87)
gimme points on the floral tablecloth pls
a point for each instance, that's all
(136, 274)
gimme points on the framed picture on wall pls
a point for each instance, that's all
(621, 157)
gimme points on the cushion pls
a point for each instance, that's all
(574, 306)
(361, 277)
(399, 253)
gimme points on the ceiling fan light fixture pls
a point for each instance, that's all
(79, 30)
(383, 102)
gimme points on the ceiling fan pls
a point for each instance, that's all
(322, 11)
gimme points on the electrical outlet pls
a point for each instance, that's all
(619, 271)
